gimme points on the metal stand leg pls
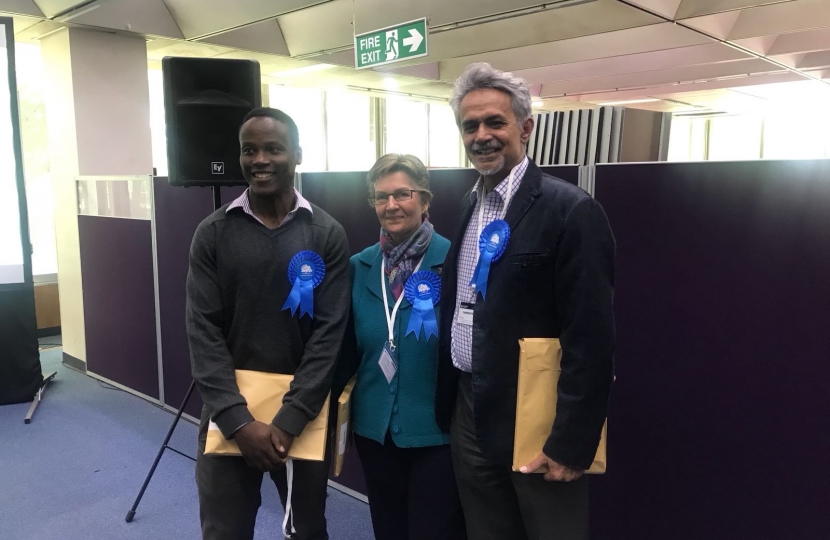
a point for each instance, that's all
(38, 397)
(164, 446)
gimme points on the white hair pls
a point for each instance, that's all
(483, 75)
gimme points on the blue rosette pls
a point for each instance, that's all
(491, 245)
(423, 289)
(305, 272)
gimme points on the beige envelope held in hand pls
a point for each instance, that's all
(341, 437)
(539, 369)
(264, 393)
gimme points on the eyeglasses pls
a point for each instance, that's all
(380, 198)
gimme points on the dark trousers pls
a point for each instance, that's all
(412, 491)
(230, 496)
(499, 503)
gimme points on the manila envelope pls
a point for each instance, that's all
(539, 369)
(264, 393)
(341, 436)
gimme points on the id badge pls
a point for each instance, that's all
(465, 314)
(387, 363)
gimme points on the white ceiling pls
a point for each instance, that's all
(669, 55)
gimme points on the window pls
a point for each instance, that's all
(735, 138)
(305, 107)
(31, 77)
(444, 139)
(407, 127)
(350, 129)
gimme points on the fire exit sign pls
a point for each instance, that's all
(391, 44)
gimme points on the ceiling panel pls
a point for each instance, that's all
(36, 31)
(796, 42)
(374, 14)
(680, 90)
(556, 25)
(319, 28)
(782, 19)
(50, 8)
(630, 41)
(148, 17)
(23, 23)
(684, 56)
(664, 8)
(159, 48)
(264, 36)
(815, 60)
(718, 25)
(697, 8)
(658, 78)
(20, 7)
(198, 18)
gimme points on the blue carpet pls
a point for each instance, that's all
(73, 473)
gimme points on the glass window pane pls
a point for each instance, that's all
(697, 148)
(406, 127)
(680, 139)
(444, 139)
(305, 107)
(797, 134)
(735, 138)
(31, 78)
(350, 128)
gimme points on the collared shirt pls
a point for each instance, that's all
(244, 203)
(462, 334)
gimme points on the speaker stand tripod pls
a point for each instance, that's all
(217, 203)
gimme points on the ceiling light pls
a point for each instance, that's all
(629, 102)
(390, 84)
(538, 103)
(303, 70)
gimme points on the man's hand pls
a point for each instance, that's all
(256, 442)
(282, 441)
(554, 472)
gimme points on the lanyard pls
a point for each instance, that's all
(390, 319)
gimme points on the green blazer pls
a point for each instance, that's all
(405, 407)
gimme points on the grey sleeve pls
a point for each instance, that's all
(313, 378)
(210, 360)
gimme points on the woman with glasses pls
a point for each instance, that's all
(392, 345)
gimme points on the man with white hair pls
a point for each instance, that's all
(533, 257)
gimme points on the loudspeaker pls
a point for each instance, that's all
(205, 100)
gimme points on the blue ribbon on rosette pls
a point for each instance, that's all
(305, 272)
(491, 245)
(423, 289)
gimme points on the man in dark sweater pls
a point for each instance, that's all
(240, 315)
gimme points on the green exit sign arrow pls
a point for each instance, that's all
(391, 44)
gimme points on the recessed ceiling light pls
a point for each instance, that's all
(537, 103)
(390, 84)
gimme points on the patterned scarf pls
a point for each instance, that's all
(401, 258)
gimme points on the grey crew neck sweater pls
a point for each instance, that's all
(236, 287)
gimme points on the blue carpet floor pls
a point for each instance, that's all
(73, 473)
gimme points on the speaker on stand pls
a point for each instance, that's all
(205, 101)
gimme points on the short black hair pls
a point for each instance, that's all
(279, 116)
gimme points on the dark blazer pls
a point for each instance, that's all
(555, 279)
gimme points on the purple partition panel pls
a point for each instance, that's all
(719, 424)
(119, 305)
(178, 211)
(568, 173)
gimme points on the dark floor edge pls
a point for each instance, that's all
(49, 332)
(74, 363)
